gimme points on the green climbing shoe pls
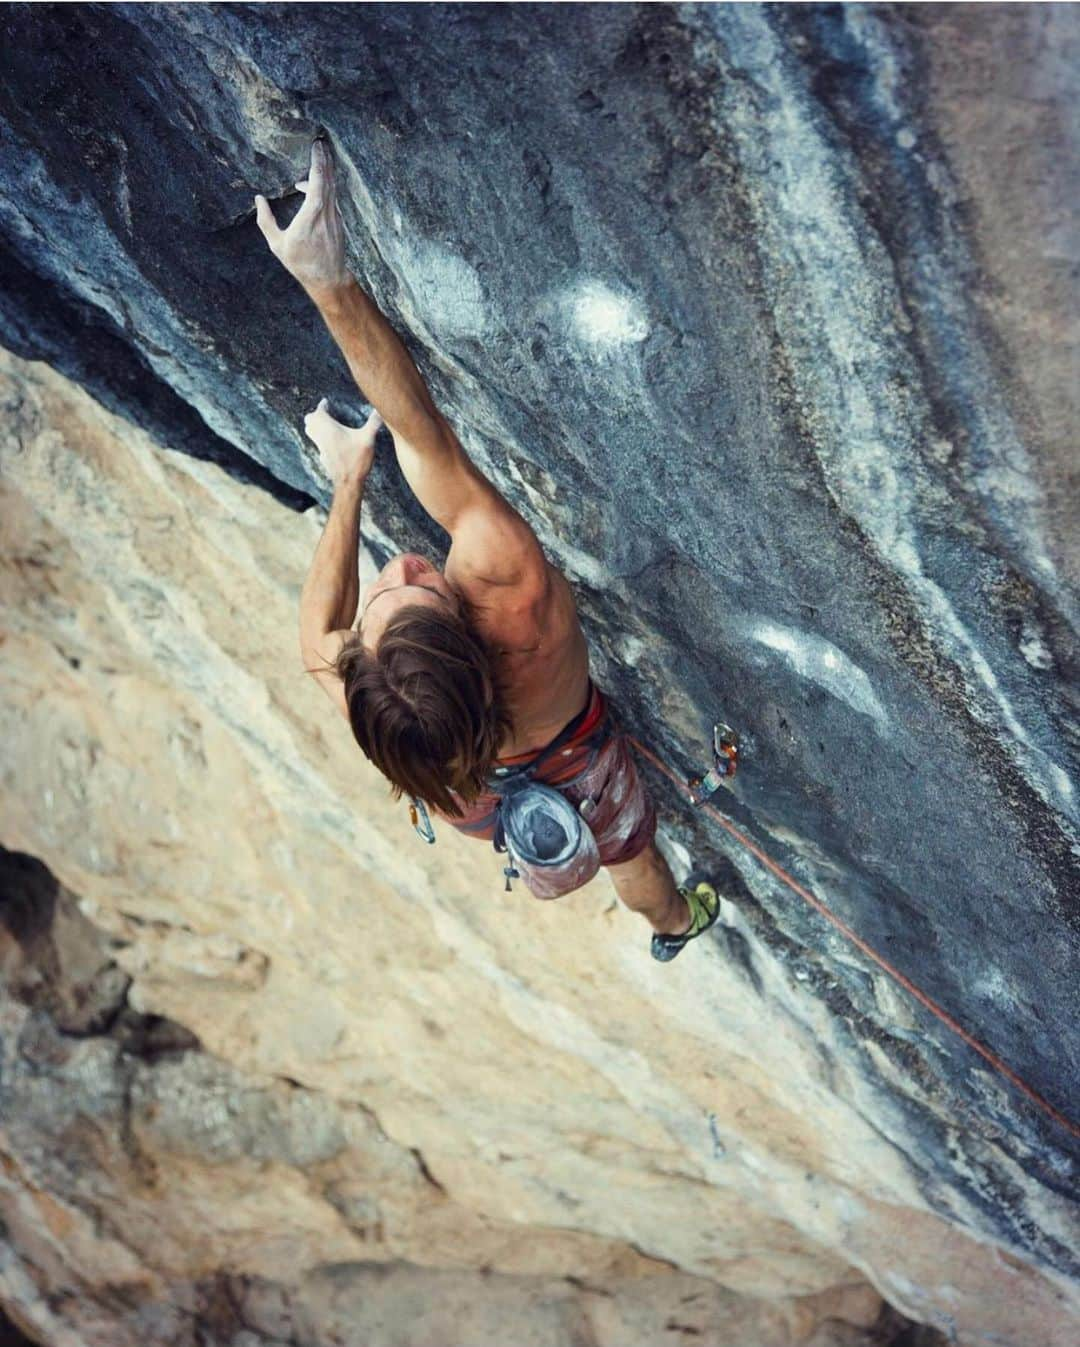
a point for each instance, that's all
(704, 904)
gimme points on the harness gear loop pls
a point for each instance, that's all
(420, 819)
(725, 749)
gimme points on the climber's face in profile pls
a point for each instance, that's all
(404, 580)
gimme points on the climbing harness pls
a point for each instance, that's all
(535, 825)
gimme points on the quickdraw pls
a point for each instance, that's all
(725, 763)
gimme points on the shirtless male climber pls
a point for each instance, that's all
(453, 679)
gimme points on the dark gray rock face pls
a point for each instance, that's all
(761, 317)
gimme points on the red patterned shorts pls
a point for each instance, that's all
(618, 812)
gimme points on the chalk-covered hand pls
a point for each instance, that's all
(344, 451)
(312, 247)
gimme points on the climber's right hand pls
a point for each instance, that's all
(312, 247)
(345, 451)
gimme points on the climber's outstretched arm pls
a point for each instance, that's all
(383, 369)
(432, 459)
(490, 539)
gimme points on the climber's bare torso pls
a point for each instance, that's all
(539, 647)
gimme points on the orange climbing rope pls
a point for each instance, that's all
(894, 973)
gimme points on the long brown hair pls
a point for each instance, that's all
(426, 706)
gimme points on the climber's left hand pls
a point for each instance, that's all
(345, 452)
(312, 247)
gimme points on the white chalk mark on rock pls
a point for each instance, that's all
(1033, 647)
(445, 287)
(603, 317)
(825, 664)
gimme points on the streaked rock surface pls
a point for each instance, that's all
(738, 305)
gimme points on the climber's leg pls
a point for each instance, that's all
(646, 885)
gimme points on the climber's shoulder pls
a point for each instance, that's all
(492, 546)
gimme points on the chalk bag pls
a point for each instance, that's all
(537, 826)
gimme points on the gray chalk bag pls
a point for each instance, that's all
(542, 827)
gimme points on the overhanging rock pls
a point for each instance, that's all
(765, 317)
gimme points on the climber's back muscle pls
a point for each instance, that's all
(533, 628)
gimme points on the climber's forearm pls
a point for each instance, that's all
(380, 364)
(312, 251)
(332, 590)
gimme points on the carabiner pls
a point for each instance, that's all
(420, 820)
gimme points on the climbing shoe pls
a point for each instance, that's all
(704, 905)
